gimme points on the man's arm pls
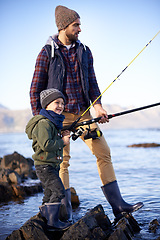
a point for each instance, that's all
(39, 81)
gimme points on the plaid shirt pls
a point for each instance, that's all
(72, 88)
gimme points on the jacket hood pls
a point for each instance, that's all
(52, 40)
(32, 123)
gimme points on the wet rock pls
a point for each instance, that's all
(125, 228)
(33, 229)
(16, 162)
(153, 225)
(10, 176)
(6, 192)
(10, 192)
(94, 225)
(74, 198)
(15, 170)
(145, 145)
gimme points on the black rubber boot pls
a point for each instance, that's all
(50, 211)
(67, 202)
(119, 206)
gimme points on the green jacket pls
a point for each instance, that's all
(47, 141)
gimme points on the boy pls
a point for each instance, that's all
(45, 131)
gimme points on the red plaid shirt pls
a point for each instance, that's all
(72, 88)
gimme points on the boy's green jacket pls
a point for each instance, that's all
(47, 141)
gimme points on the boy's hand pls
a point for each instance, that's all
(66, 137)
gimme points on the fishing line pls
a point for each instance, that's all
(116, 78)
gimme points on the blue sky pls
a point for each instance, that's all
(115, 31)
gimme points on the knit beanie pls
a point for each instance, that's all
(49, 95)
(64, 16)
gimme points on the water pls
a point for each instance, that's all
(137, 171)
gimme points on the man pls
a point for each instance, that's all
(66, 64)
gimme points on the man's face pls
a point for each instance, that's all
(73, 30)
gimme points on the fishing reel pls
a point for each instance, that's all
(77, 133)
(94, 134)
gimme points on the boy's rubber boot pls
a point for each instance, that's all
(50, 211)
(119, 206)
(67, 202)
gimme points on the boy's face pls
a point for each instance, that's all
(57, 106)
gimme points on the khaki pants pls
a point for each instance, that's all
(98, 147)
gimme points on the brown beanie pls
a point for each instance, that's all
(64, 16)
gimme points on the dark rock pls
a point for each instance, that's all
(10, 176)
(16, 162)
(94, 225)
(33, 229)
(118, 234)
(74, 198)
(6, 192)
(145, 145)
(153, 225)
(12, 192)
(15, 235)
(15, 169)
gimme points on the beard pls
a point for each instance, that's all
(71, 37)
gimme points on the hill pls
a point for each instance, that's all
(16, 120)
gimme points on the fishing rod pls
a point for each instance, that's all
(77, 120)
(97, 133)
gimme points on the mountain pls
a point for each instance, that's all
(16, 120)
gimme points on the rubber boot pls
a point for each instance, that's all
(67, 202)
(119, 206)
(50, 211)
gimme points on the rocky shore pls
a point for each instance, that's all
(17, 177)
(18, 180)
(95, 225)
(145, 145)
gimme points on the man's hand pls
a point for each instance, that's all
(100, 112)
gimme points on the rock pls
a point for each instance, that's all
(153, 225)
(12, 192)
(14, 177)
(74, 198)
(33, 229)
(95, 225)
(125, 228)
(10, 176)
(6, 192)
(145, 145)
(16, 162)
(14, 169)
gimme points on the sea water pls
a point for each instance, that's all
(137, 171)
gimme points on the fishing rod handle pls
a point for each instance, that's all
(71, 127)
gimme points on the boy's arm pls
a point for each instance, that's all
(46, 137)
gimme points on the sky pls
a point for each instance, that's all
(115, 31)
